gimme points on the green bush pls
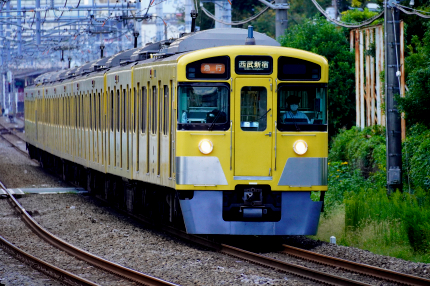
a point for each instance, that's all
(363, 149)
(416, 158)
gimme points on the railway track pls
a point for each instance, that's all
(62, 275)
(380, 273)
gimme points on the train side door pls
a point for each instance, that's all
(253, 124)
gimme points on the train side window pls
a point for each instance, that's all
(94, 122)
(160, 110)
(124, 111)
(111, 110)
(302, 107)
(78, 110)
(143, 106)
(154, 109)
(91, 111)
(166, 110)
(135, 98)
(100, 111)
(203, 106)
(118, 109)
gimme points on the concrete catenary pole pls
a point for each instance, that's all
(159, 21)
(281, 7)
(392, 88)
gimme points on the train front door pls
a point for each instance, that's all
(253, 128)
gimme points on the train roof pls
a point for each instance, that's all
(216, 38)
(164, 50)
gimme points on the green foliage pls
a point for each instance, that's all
(416, 103)
(397, 224)
(321, 37)
(411, 211)
(357, 16)
(363, 149)
(416, 158)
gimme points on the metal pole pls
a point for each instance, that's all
(281, 19)
(19, 29)
(392, 87)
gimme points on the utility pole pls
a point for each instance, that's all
(281, 7)
(392, 87)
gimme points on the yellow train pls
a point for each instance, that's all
(202, 131)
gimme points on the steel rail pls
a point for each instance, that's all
(48, 269)
(94, 260)
(11, 132)
(377, 272)
(300, 271)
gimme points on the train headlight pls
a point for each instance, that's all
(300, 147)
(206, 146)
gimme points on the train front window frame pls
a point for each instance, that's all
(311, 114)
(203, 106)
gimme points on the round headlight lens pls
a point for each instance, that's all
(206, 146)
(300, 147)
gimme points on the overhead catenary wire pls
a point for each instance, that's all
(233, 23)
(413, 12)
(343, 24)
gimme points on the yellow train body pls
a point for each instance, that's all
(127, 121)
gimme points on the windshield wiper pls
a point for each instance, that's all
(264, 114)
(215, 119)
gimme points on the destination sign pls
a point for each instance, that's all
(254, 64)
(212, 68)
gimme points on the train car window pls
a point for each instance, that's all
(94, 122)
(166, 110)
(253, 108)
(160, 107)
(302, 107)
(91, 111)
(135, 98)
(154, 110)
(124, 105)
(111, 110)
(100, 111)
(211, 68)
(118, 109)
(78, 109)
(203, 106)
(298, 69)
(143, 106)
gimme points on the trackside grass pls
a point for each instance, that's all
(358, 210)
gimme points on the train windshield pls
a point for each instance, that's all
(203, 106)
(302, 107)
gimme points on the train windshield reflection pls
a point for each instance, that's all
(203, 107)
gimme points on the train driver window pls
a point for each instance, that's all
(302, 107)
(203, 106)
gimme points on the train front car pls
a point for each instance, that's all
(251, 140)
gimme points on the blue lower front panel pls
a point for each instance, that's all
(203, 215)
